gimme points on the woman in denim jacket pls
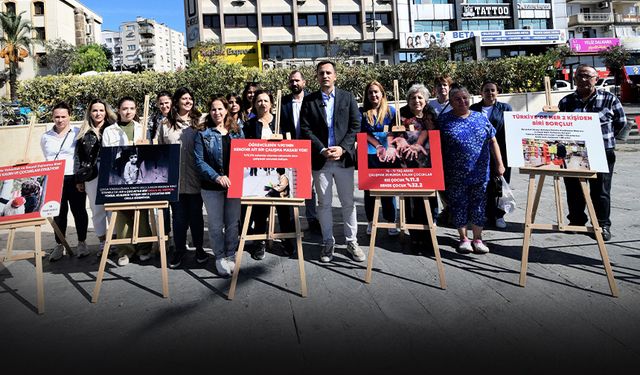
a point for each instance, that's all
(212, 154)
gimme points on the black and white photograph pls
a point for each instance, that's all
(268, 182)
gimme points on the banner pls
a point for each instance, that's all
(563, 140)
(143, 173)
(274, 169)
(31, 191)
(423, 172)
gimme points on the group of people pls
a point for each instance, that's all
(472, 138)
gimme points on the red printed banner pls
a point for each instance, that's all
(31, 191)
(421, 171)
(274, 169)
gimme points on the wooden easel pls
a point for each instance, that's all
(270, 235)
(402, 225)
(397, 127)
(158, 235)
(533, 199)
(145, 121)
(36, 254)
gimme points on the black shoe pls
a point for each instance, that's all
(176, 260)
(287, 248)
(606, 233)
(201, 256)
(260, 252)
(314, 225)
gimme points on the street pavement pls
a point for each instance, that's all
(564, 319)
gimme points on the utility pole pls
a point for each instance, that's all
(373, 26)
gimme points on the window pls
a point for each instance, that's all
(131, 47)
(312, 20)
(11, 8)
(40, 34)
(239, 21)
(367, 48)
(384, 18)
(108, 40)
(130, 28)
(276, 20)
(345, 19)
(423, 26)
(38, 8)
(483, 25)
(527, 23)
(418, 2)
(279, 52)
(310, 50)
(211, 21)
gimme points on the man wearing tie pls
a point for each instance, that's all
(330, 119)
(290, 123)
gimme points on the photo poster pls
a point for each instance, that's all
(405, 173)
(270, 169)
(142, 173)
(555, 140)
(31, 191)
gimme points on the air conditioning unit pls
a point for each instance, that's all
(375, 24)
(579, 29)
(267, 65)
(603, 5)
(300, 2)
(384, 62)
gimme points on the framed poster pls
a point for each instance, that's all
(271, 169)
(143, 173)
(562, 140)
(31, 191)
(406, 172)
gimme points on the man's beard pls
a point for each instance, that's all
(296, 90)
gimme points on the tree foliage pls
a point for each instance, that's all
(59, 56)
(16, 43)
(90, 57)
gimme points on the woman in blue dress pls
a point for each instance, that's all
(468, 140)
(376, 114)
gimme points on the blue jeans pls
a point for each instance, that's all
(187, 213)
(223, 215)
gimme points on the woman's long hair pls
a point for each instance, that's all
(255, 98)
(88, 125)
(174, 113)
(229, 123)
(376, 113)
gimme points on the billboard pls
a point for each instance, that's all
(488, 38)
(592, 45)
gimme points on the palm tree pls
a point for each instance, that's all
(16, 43)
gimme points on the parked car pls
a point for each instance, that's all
(607, 84)
(561, 85)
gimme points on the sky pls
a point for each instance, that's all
(114, 12)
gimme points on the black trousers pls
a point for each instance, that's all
(71, 197)
(600, 191)
(187, 213)
(416, 214)
(259, 216)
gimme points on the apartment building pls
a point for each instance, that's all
(301, 30)
(68, 20)
(148, 44)
(605, 19)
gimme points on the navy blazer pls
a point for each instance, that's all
(346, 124)
(286, 116)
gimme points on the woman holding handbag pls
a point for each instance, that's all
(89, 141)
(59, 143)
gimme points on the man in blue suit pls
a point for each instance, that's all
(330, 119)
(290, 123)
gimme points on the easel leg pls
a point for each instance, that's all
(39, 275)
(63, 240)
(598, 232)
(532, 201)
(434, 242)
(272, 223)
(303, 276)
(372, 242)
(537, 199)
(163, 251)
(556, 189)
(236, 270)
(10, 239)
(136, 227)
(105, 256)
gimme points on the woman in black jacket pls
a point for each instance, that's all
(98, 116)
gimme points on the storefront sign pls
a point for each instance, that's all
(487, 38)
(534, 6)
(592, 45)
(466, 49)
(486, 11)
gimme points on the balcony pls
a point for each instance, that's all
(627, 18)
(590, 19)
(147, 31)
(584, 1)
(149, 42)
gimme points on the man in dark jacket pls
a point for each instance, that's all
(290, 123)
(330, 119)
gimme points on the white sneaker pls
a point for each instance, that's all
(222, 267)
(479, 247)
(356, 253)
(464, 247)
(369, 228)
(500, 223)
(145, 257)
(82, 250)
(394, 232)
(57, 253)
(326, 254)
(231, 263)
(123, 260)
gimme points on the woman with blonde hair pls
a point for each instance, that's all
(99, 115)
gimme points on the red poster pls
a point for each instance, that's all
(274, 169)
(422, 172)
(31, 191)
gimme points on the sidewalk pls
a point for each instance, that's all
(402, 322)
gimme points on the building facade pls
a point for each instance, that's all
(68, 20)
(302, 30)
(146, 44)
(605, 19)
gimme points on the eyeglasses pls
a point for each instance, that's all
(585, 77)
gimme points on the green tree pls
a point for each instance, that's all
(16, 43)
(59, 56)
(614, 59)
(90, 57)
